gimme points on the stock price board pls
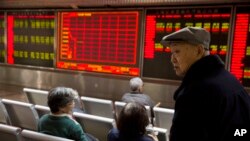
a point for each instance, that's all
(105, 42)
(240, 58)
(30, 38)
(162, 22)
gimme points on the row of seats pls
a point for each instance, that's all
(12, 133)
(100, 109)
(26, 115)
(104, 107)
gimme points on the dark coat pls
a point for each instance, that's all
(114, 135)
(210, 105)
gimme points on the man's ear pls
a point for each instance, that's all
(200, 50)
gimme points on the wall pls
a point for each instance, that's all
(101, 86)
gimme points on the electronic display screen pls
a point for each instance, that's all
(2, 38)
(161, 22)
(30, 38)
(240, 58)
(105, 42)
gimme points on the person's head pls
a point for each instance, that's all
(187, 46)
(61, 100)
(132, 120)
(136, 84)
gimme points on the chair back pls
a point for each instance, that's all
(97, 106)
(163, 117)
(118, 107)
(42, 110)
(9, 133)
(21, 114)
(91, 137)
(4, 117)
(28, 135)
(95, 125)
(36, 97)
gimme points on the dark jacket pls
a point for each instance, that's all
(138, 97)
(114, 135)
(210, 105)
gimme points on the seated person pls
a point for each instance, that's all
(136, 94)
(60, 122)
(131, 124)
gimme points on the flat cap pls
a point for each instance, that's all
(193, 35)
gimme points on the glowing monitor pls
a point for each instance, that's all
(162, 22)
(30, 38)
(2, 38)
(105, 42)
(240, 59)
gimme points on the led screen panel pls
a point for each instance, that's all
(105, 42)
(30, 38)
(240, 58)
(161, 22)
(2, 38)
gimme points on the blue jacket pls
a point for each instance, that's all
(210, 105)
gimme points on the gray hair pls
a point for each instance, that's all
(135, 83)
(59, 97)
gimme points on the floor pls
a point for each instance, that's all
(12, 92)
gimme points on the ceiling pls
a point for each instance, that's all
(75, 4)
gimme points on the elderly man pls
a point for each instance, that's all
(211, 104)
(136, 94)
